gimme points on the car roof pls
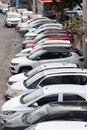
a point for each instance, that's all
(59, 65)
(76, 71)
(58, 41)
(57, 48)
(64, 88)
(62, 125)
(47, 45)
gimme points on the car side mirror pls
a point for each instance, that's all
(38, 58)
(38, 87)
(35, 104)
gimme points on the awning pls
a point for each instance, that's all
(47, 1)
(74, 12)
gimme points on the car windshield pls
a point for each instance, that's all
(25, 13)
(13, 16)
(33, 72)
(35, 55)
(36, 115)
(31, 96)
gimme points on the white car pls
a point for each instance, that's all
(47, 25)
(12, 19)
(13, 110)
(59, 125)
(43, 30)
(66, 75)
(28, 51)
(5, 8)
(23, 76)
(25, 15)
(45, 55)
(20, 10)
(22, 24)
(34, 24)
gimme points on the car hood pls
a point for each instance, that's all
(14, 19)
(18, 86)
(12, 103)
(23, 60)
(24, 52)
(17, 77)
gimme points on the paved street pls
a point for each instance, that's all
(10, 43)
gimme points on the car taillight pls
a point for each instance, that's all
(30, 45)
(81, 59)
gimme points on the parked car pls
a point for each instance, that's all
(32, 16)
(51, 24)
(47, 77)
(43, 37)
(48, 112)
(42, 30)
(4, 8)
(46, 55)
(27, 22)
(47, 43)
(55, 125)
(25, 15)
(20, 10)
(34, 24)
(23, 76)
(12, 19)
(51, 30)
(47, 25)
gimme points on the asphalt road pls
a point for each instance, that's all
(10, 44)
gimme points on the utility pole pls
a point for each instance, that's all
(84, 43)
(85, 10)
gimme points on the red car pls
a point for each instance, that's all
(52, 37)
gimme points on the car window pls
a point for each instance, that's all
(34, 84)
(46, 55)
(72, 97)
(65, 79)
(48, 99)
(31, 96)
(61, 54)
(68, 115)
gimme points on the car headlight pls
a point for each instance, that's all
(12, 91)
(8, 21)
(8, 112)
(14, 64)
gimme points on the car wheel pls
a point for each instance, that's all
(25, 69)
(5, 24)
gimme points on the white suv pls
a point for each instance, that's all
(45, 55)
(12, 19)
(13, 110)
(51, 76)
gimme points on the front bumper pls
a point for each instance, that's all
(2, 123)
(13, 69)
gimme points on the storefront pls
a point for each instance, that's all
(44, 6)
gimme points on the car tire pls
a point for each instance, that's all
(25, 69)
